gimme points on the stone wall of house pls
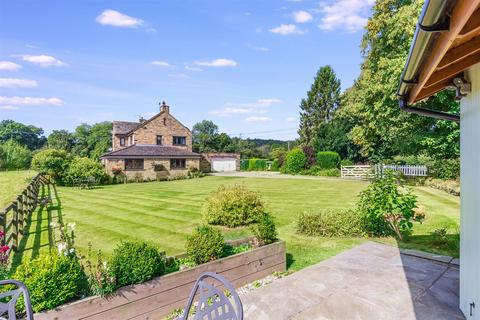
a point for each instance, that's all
(116, 142)
(206, 160)
(166, 126)
(148, 173)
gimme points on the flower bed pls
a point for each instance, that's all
(158, 297)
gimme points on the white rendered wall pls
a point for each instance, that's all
(470, 197)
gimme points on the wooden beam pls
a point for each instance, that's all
(453, 69)
(472, 25)
(461, 13)
(427, 92)
(456, 54)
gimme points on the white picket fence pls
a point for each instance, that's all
(369, 171)
(408, 171)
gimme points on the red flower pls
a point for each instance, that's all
(5, 248)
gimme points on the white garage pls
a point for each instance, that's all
(224, 164)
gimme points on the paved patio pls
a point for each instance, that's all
(370, 281)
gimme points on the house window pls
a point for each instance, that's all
(164, 121)
(176, 164)
(133, 164)
(179, 141)
(122, 141)
(159, 140)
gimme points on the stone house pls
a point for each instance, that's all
(153, 149)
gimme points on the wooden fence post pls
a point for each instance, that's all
(20, 213)
(15, 226)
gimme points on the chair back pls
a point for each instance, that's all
(13, 295)
(213, 304)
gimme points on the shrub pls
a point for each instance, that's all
(14, 156)
(295, 161)
(318, 171)
(205, 244)
(386, 207)
(51, 161)
(328, 159)
(244, 164)
(257, 164)
(450, 186)
(52, 279)
(347, 162)
(279, 154)
(275, 165)
(446, 169)
(135, 262)
(264, 230)
(330, 223)
(233, 206)
(81, 168)
(310, 156)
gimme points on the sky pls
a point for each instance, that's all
(245, 65)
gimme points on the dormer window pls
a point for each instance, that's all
(159, 140)
(122, 141)
(179, 141)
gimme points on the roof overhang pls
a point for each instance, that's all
(446, 43)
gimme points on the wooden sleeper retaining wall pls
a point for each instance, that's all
(156, 298)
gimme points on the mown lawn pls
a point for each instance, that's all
(12, 183)
(164, 213)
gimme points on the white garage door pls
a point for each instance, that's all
(224, 164)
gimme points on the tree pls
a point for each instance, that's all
(205, 134)
(92, 140)
(380, 129)
(322, 100)
(27, 135)
(60, 139)
(15, 156)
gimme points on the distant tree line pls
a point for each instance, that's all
(20, 142)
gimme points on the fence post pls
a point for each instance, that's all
(15, 226)
(4, 226)
(20, 213)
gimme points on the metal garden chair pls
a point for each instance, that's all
(213, 304)
(13, 295)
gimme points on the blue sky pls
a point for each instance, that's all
(243, 64)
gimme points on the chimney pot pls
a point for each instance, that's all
(164, 107)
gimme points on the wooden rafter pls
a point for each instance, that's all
(472, 25)
(456, 54)
(458, 19)
(427, 92)
(453, 69)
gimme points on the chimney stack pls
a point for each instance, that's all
(164, 107)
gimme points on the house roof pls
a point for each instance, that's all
(446, 43)
(150, 151)
(123, 127)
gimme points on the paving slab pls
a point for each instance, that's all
(370, 281)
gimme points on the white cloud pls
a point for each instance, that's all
(263, 49)
(43, 60)
(8, 108)
(17, 83)
(162, 64)
(256, 119)
(178, 76)
(302, 16)
(114, 18)
(266, 102)
(228, 111)
(286, 29)
(189, 68)
(9, 66)
(257, 107)
(29, 101)
(350, 15)
(291, 119)
(222, 62)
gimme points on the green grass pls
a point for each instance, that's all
(164, 213)
(12, 183)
